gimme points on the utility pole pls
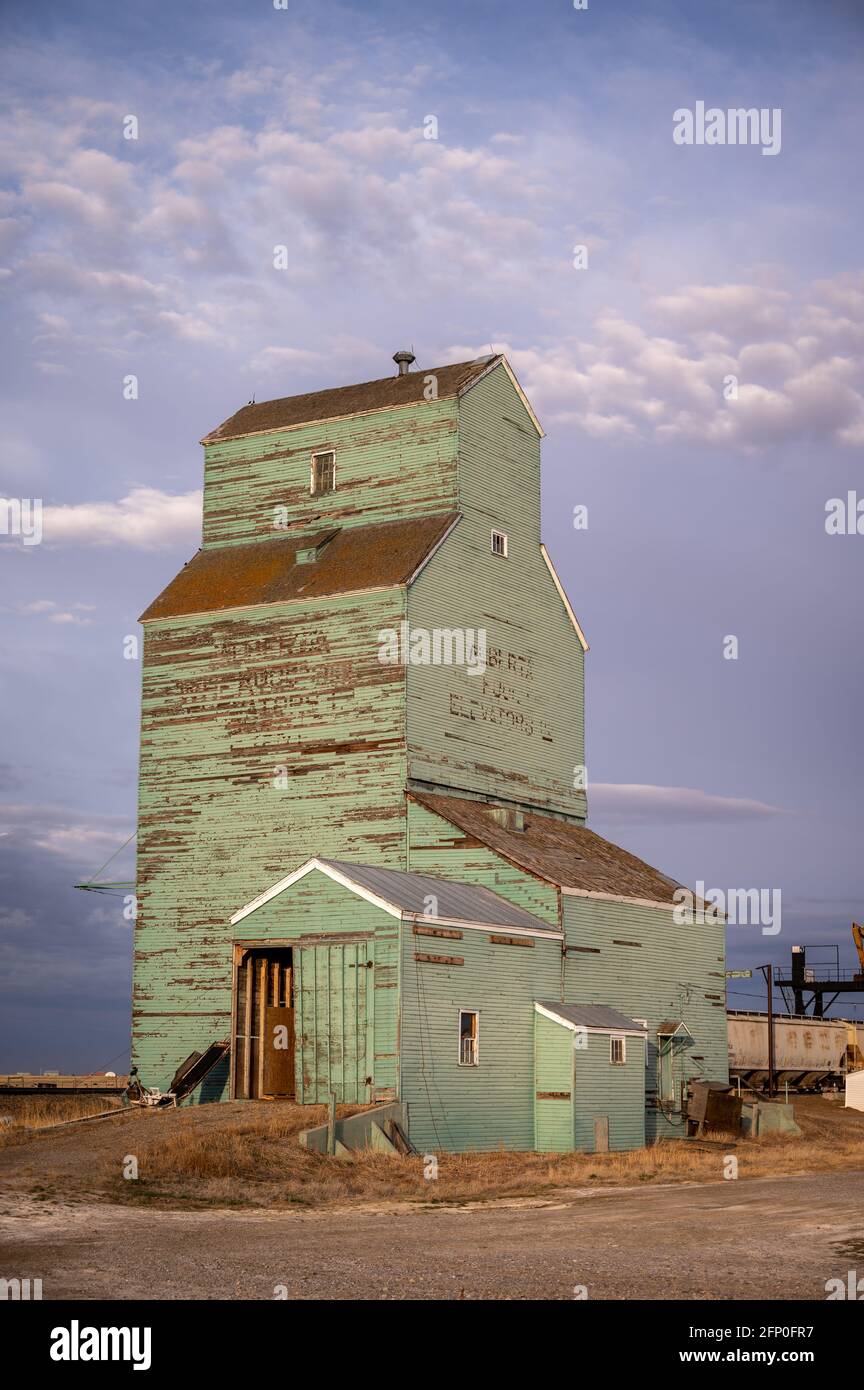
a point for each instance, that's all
(767, 971)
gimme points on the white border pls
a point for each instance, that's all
(565, 1023)
(618, 1036)
(564, 599)
(499, 360)
(386, 906)
(317, 454)
(459, 1012)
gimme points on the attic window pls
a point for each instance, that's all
(499, 543)
(323, 472)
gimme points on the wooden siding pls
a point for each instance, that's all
(553, 1083)
(310, 911)
(226, 702)
(230, 698)
(451, 1107)
(334, 1009)
(616, 1092)
(670, 973)
(388, 464)
(517, 730)
(577, 1085)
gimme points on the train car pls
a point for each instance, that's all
(854, 1045)
(809, 1053)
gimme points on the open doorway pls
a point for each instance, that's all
(263, 1052)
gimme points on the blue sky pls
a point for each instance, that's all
(304, 127)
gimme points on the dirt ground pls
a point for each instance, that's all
(767, 1239)
(246, 1154)
(227, 1205)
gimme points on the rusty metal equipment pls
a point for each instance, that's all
(186, 1079)
(712, 1107)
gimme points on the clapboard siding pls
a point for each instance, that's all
(231, 699)
(390, 463)
(316, 906)
(490, 1106)
(226, 703)
(616, 1092)
(517, 730)
(668, 974)
(553, 1073)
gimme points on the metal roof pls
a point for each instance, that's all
(600, 1017)
(671, 1027)
(457, 902)
(347, 560)
(562, 852)
(383, 394)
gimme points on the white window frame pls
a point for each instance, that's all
(613, 1039)
(319, 453)
(476, 1061)
(502, 554)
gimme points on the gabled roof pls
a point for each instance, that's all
(566, 854)
(596, 1018)
(348, 560)
(673, 1028)
(407, 896)
(383, 394)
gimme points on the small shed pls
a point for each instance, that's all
(855, 1090)
(589, 1072)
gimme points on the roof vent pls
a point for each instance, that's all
(403, 360)
(508, 817)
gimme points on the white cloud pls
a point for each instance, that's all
(638, 803)
(145, 519)
(629, 381)
(66, 833)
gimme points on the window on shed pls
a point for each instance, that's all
(469, 1027)
(323, 477)
(617, 1051)
(499, 543)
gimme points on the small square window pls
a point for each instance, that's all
(617, 1051)
(499, 543)
(323, 474)
(469, 1028)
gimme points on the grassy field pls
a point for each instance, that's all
(19, 1113)
(247, 1154)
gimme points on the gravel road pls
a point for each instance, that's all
(765, 1239)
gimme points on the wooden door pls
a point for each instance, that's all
(333, 995)
(278, 1050)
(601, 1134)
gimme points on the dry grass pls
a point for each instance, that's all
(19, 1113)
(195, 1159)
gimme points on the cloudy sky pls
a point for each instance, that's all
(305, 127)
